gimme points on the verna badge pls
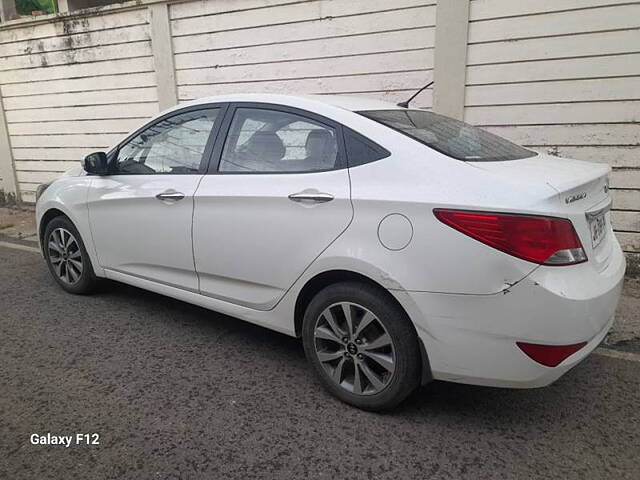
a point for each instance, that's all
(575, 198)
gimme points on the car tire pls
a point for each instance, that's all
(353, 358)
(67, 257)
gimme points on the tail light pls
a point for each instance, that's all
(549, 355)
(538, 239)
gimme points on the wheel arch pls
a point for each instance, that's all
(52, 209)
(49, 215)
(330, 277)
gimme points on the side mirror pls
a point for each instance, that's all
(96, 163)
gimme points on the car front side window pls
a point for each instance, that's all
(174, 145)
(273, 141)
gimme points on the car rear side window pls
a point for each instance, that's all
(452, 137)
(173, 145)
(361, 150)
(272, 141)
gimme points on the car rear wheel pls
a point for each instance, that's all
(362, 345)
(67, 257)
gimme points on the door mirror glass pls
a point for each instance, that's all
(96, 163)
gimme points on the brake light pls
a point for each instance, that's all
(538, 239)
(549, 355)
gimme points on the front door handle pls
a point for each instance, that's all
(170, 195)
(311, 197)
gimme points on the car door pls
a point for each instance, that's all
(141, 214)
(277, 195)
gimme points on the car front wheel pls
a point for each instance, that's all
(67, 257)
(362, 345)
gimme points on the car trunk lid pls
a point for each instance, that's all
(582, 196)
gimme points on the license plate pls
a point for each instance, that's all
(598, 227)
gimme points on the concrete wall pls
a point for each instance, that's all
(360, 47)
(561, 76)
(71, 86)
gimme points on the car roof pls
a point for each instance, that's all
(346, 102)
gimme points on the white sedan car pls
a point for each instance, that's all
(401, 245)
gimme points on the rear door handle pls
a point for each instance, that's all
(170, 195)
(308, 197)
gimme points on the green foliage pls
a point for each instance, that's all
(25, 7)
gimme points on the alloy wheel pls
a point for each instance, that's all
(354, 348)
(65, 255)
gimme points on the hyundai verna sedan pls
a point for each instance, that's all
(401, 245)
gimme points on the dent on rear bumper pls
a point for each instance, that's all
(472, 338)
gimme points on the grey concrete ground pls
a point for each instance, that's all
(175, 391)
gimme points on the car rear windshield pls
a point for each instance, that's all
(451, 137)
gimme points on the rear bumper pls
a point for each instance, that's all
(472, 338)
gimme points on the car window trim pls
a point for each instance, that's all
(216, 155)
(206, 154)
(380, 150)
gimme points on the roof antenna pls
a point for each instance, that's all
(406, 104)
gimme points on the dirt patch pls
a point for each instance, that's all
(18, 223)
(626, 328)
